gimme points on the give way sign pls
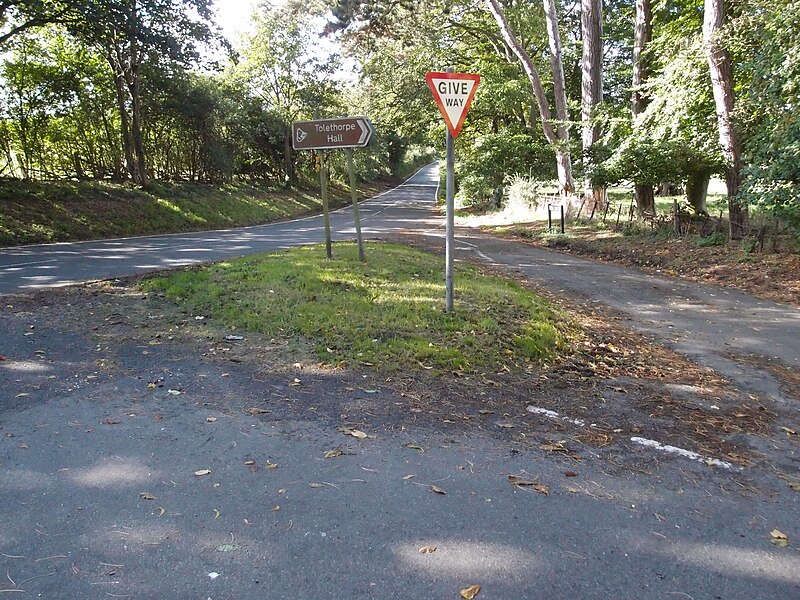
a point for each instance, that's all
(453, 93)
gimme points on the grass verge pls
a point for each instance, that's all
(386, 312)
(45, 212)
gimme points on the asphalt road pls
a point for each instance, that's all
(52, 265)
(99, 497)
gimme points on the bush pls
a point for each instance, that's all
(717, 238)
(521, 194)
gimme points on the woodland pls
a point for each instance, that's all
(581, 95)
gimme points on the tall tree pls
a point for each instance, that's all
(591, 88)
(281, 67)
(721, 68)
(127, 32)
(558, 136)
(642, 36)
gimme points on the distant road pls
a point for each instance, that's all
(25, 268)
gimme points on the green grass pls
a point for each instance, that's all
(45, 212)
(387, 312)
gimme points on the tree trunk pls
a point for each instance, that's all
(125, 128)
(697, 190)
(133, 81)
(563, 159)
(558, 138)
(642, 36)
(591, 87)
(719, 63)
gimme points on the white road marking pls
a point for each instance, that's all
(706, 460)
(681, 452)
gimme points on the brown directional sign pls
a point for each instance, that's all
(324, 134)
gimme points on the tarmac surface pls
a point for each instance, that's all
(104, 448)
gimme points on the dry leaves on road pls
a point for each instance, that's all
(202, 472)
(333, 453)
(437, 490)
(470, 592)
(427, 550)
(519, 482)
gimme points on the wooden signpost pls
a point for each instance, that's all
(333, 134)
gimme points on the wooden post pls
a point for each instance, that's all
(354, 194)
(323, 182)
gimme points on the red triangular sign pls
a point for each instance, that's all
(453, 93)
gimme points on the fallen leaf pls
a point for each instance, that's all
(202, 472)
(470, 592)
(486, 412)
(151, 386)
(333, 453)
(789, 431)
(427, 550)
(570, 474)
(515, 480)
(409, 476)
(778, 538)
(226, 547)
(437, 490)
(558, 447)
(275, 508)
(795, 486)
(23, 446)
(271, 465)
(506, 425)
(158, 417)
(146, 496)
(249, 462)
(211, 419)
(413, 447)
(161, 511)
(257, 411)
(539, 487)
(296, 383)
(174, 392)
(572, 490)
(216, 514)
(316, 485)
(356, 433)
(371, 391)
(111, 422)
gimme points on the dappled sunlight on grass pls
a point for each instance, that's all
(386, 311)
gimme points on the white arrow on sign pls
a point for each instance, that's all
(366, 131)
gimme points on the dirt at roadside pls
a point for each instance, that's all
(768, 275)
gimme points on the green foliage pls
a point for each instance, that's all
(521, 194)
(485, 164)
(717, 238)
(772, 151)
(385, 312)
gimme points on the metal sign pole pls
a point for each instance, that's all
(449, 232)
(354, 194)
